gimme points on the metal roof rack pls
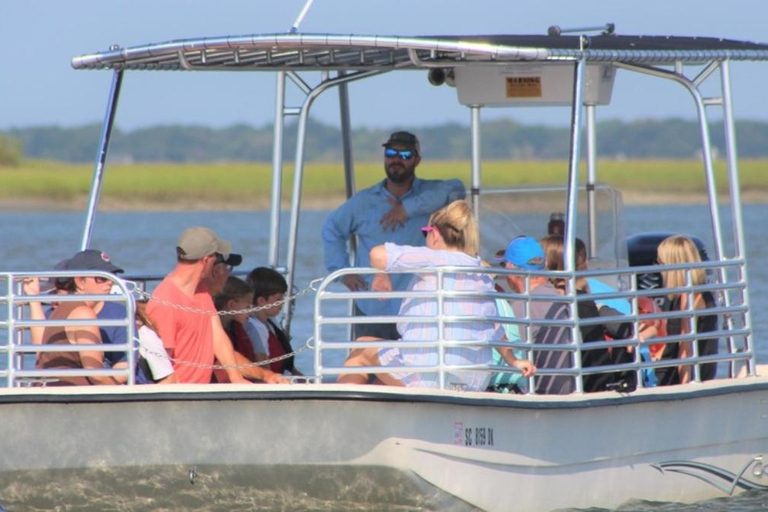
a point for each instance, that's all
(356, 52)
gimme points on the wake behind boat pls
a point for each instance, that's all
(430, 448)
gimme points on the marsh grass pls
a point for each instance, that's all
(249, 183)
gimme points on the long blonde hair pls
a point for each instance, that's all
(457, 226)
(678, 249)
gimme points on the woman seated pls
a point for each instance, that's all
(452, 240)
(675, 250)
(76, 335)
(612, 329)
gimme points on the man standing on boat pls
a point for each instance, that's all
(393, 210)
(186, 319)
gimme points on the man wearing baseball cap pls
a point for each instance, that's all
(526, 254)
(182, 309)
(394, 210)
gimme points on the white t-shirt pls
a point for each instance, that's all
(258, 334)
(151, 349)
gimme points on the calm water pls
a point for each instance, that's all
(144, 243)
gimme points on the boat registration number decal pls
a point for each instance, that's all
(523, 87)
(472, 436)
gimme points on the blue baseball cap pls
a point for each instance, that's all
(525, 252)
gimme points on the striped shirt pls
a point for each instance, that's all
(408, 258)
(548, 335)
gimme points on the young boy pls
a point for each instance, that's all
(236, 296)
(269, 287)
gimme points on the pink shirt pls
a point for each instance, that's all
(188, 334)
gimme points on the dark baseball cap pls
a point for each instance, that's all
(90, 259)
(404, 139)
(231, 259)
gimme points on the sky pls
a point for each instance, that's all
(39, 87)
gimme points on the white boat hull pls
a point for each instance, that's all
(494, 452)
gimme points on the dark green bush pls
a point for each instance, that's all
(10, 151)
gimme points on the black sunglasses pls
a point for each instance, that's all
(405, 154)
(220, 260)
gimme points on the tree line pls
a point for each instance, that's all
(501, 139)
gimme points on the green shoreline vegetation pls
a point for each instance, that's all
(43, 184)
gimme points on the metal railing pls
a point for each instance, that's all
(16, 323)
(735, 357)
(332, 321)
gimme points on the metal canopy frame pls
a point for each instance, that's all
(343, 59)
(319, 52)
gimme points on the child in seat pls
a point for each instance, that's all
(269, 288)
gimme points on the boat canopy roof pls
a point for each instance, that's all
(298, 51)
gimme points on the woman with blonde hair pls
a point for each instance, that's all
(452, 239)
(679, 249)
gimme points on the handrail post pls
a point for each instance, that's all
(735, 193)
(572, 196)
(11, 347)
(440, 329)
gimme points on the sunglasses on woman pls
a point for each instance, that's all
(405, 154)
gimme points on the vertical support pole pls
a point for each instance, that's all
(738, 221)
(101, 158)
(591, 179)
(346, 148)
(293, 228)
(277, 172)
(298, 178)
(476, 159)
(709, 173)
(572, 202)
(573, 165)
(732, 160)
(349, 168)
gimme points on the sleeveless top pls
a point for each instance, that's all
(704, 323)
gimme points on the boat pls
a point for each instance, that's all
(295, 446)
